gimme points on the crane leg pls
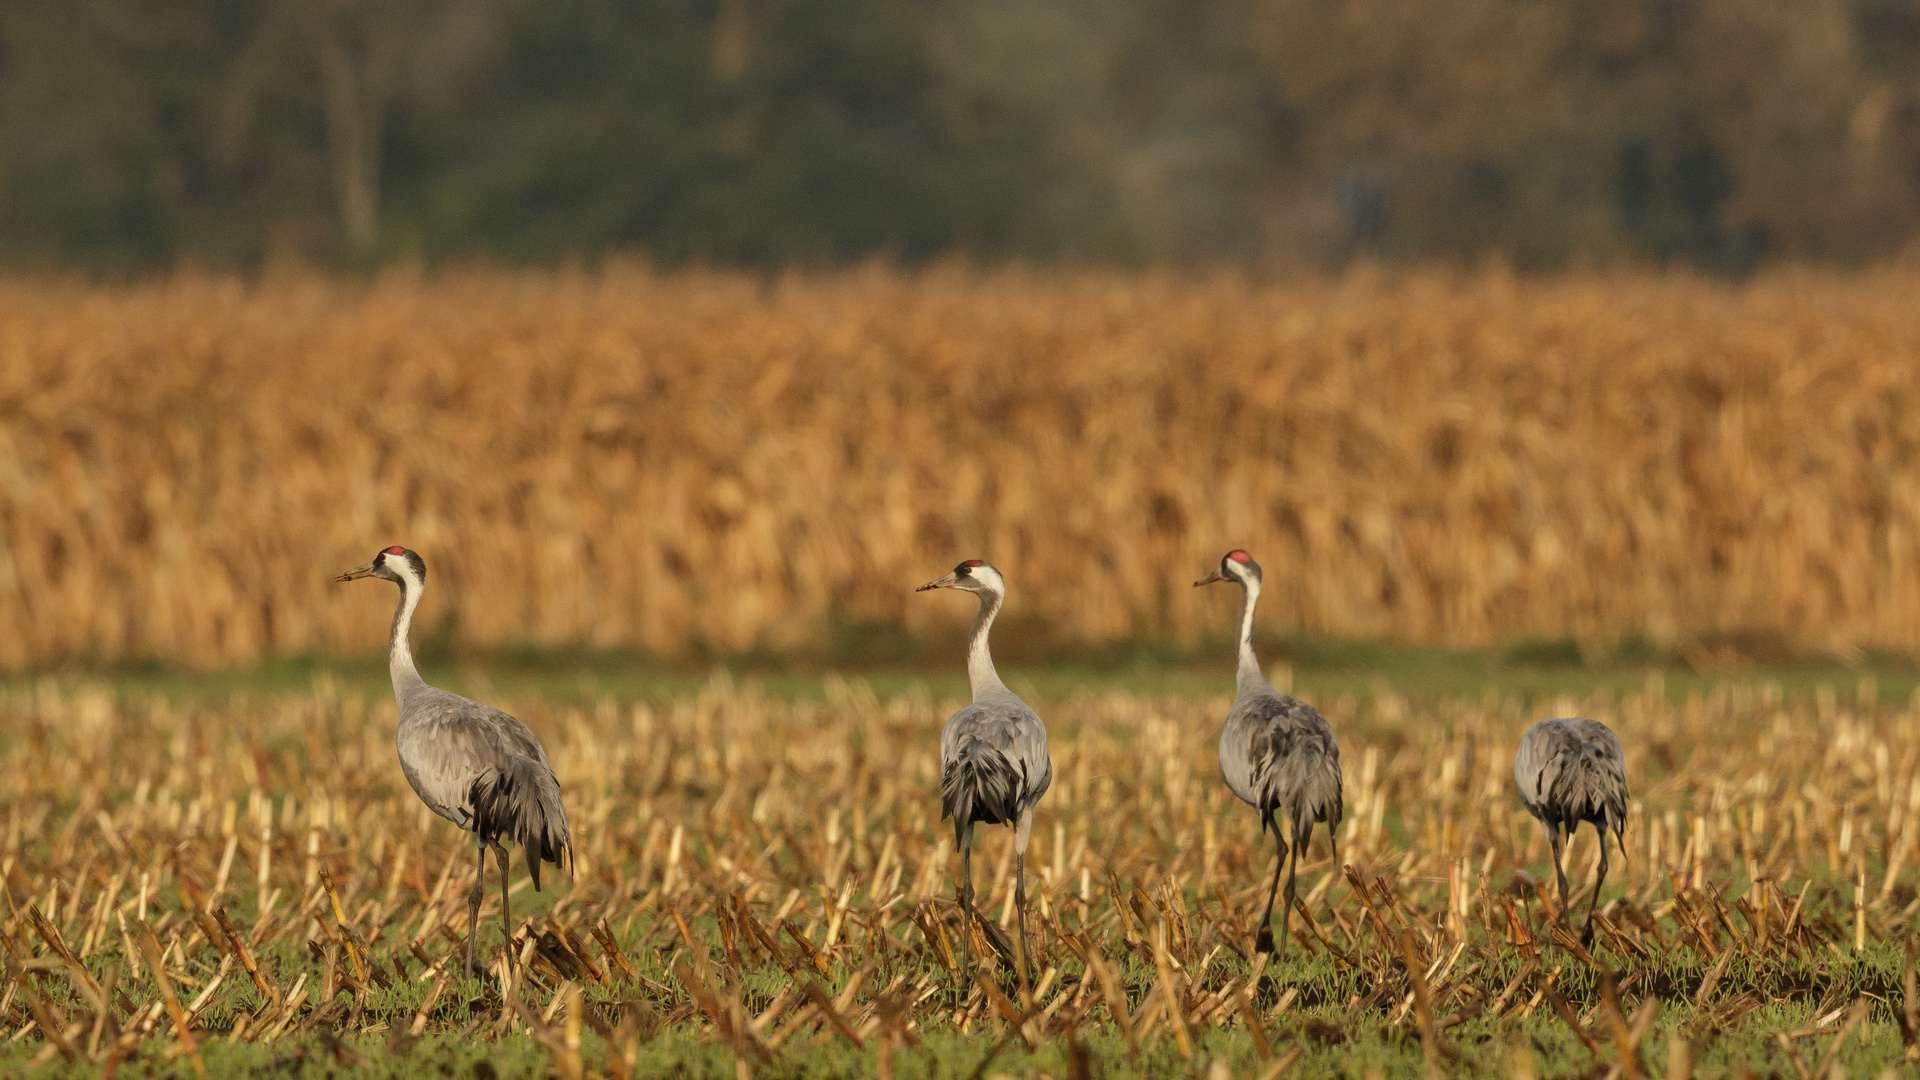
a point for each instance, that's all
(1333, 841)
(1301, 838)
(1559, 869)
(1264, 942)
(506, 920)
(1021, 832)
(965, 895)
(1020, 913)
(473, 903)
(1586, 935)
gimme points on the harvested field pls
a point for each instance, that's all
(724, 462)
(764, 888)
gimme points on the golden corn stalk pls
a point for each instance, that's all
(638, 460)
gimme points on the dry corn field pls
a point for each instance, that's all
(763, 888)
(668, 463)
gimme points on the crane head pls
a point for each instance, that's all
(1235, 565)
(974, 575)
(396, 564)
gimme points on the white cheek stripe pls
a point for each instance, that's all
(402, 566)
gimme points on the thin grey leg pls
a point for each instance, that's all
(965, 896)
(473, 903)
(1263, 943)
(1300, 841)
(1586, 935)
(1020, 912)
(506, 919)
(1553, 835)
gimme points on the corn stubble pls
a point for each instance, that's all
(636, 460)
(180, 877)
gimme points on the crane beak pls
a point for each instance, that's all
(947, 582)
(1211, 578)
(356, 573)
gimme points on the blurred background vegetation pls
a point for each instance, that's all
(1279, 135)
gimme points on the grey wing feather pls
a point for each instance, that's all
(1573, 769)
(993, 763)
(483, 770)
(1277, 752)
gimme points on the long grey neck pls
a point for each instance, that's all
(1249, 676)
(979, 661)
(399, 652)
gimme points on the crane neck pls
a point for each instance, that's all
(980, 672)
(399, 650)
(1248, 677)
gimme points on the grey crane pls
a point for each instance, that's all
(993, 754)
(1571, 770)
(470, 763)
(1276, 753)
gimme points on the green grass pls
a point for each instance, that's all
(1483, 1051)
(1335, 1038)
(1334, 1041)
(1323, 667)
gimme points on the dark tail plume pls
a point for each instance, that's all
(523, 804)
(978, 785)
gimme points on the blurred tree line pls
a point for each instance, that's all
(1279, 134)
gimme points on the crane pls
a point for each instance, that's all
(1571, 770)
(470, 763)
(1276, 753)
(993, 754)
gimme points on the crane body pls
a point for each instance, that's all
(1571, 770)
(1277, 753)
(993, 753)
(472, 764)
